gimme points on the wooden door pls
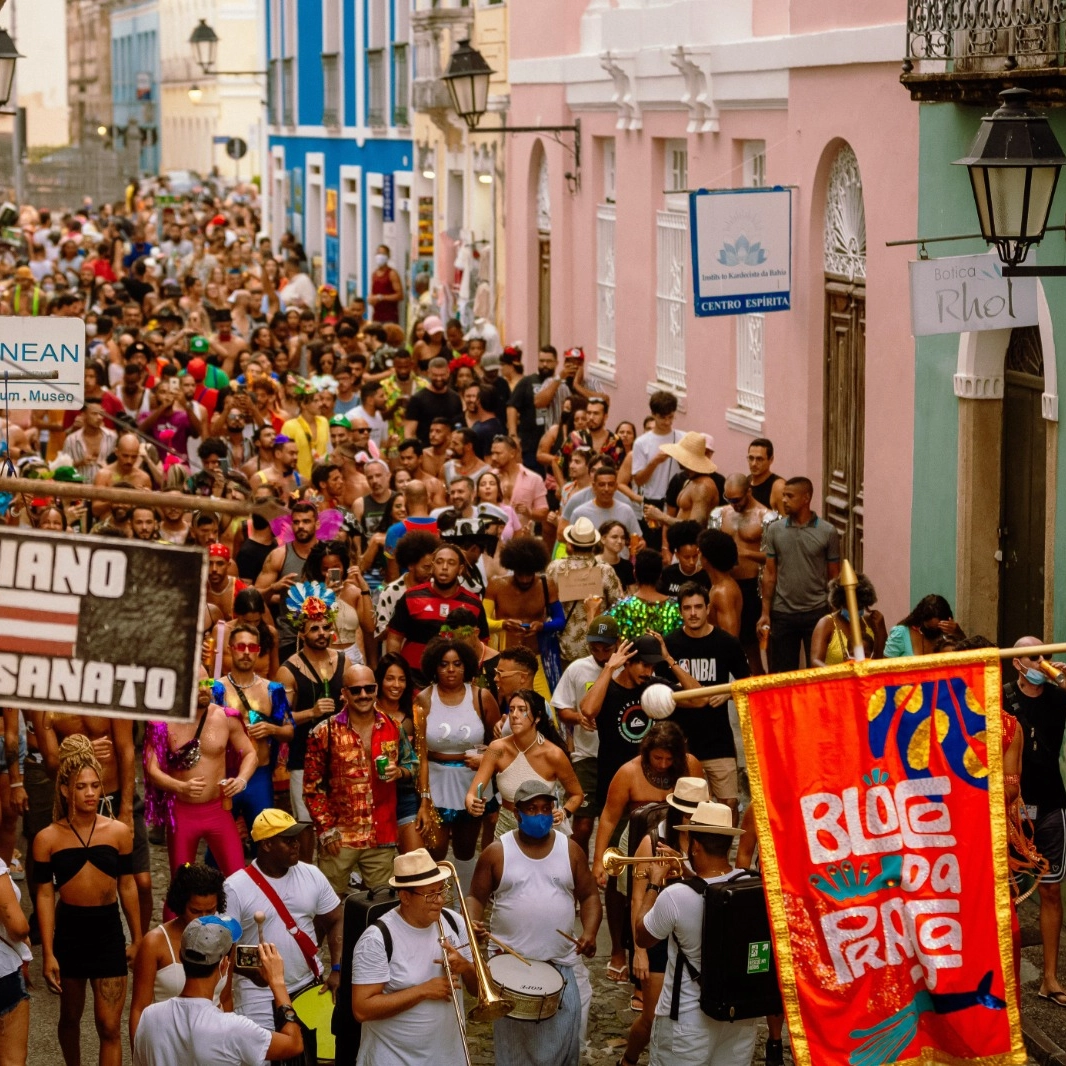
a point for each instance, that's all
(1022, 512)
(544, 290)
(844, 431)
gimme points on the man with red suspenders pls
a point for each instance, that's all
(300, 908)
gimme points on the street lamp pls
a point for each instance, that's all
(9, 56)
(204, 41)
(1014, 165)
(196, 94)
(467, 78)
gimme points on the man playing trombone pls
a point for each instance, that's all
(534, 874)
(403, 983)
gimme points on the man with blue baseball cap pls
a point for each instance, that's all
(190, 1031)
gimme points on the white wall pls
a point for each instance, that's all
(41, 36)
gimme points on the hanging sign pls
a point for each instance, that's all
(30, 346)
(741, 250)
(968, 294)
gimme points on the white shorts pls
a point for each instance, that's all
(698, 1040)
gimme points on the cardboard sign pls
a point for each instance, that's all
(580, 584)
(90, 625)
(968, 294)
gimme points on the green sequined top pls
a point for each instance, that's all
(635, 617)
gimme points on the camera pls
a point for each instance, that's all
(248, 956)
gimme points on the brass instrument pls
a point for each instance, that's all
(491, 1004)
(614, 862)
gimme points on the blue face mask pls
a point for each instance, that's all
(1035, 677)
(538, 826)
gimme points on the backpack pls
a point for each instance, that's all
(736, 934)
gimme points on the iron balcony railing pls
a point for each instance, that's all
(984, 36)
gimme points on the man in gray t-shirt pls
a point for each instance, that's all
(802, 557)
(603, 507)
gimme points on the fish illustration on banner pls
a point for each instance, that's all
(878, 797)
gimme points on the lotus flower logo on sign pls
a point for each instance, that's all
(741, 250)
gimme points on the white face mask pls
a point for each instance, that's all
(381, 260)
(90, 329)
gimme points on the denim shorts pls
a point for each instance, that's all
(12, 992)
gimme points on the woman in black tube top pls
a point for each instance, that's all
(85, 859)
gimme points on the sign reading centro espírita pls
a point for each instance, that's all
(95, 626)
(31, 345)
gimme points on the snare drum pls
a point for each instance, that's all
(536, 988)
(314, 1007)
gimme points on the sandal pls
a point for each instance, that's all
(1057, 998)
(636, 1003)
(618, 974)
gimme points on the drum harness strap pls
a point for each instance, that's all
(306, 945)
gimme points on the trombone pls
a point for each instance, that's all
(614, 862)
(491, 1003)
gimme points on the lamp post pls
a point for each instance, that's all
(468, 77)
(1014, 165)
(9, 56)
(204, 41)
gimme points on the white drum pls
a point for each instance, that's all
(536, 987)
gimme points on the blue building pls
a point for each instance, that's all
(340, 166)
(135, 77)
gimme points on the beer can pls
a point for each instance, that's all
(382, 765)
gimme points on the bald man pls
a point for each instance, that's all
(125, 468)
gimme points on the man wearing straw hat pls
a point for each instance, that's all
(700, 495)
(400, 989)
(535, 875)
(681, 1031)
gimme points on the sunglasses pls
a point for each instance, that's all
(206, 682)
(252, 649)
(357, 690)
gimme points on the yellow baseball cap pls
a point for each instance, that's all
(275, 823)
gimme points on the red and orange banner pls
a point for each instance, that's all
(878, 796)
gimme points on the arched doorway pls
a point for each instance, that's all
(844, 407)
(544, 254)
(1023, 492)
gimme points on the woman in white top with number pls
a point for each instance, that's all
(195, 890)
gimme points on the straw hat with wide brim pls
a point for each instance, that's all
(713, 818)
(416, 868)
(582, 534)
(691, 452)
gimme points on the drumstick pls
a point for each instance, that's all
(567, 936)
(510, 951)
(260, 917)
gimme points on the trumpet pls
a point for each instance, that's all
(614, 862)
(491, 1003)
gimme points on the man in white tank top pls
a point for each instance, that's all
(535, 874)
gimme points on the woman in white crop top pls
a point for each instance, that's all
(533, 750)
(195, 890)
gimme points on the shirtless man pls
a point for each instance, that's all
(413, 459)
(282, 472)
(264, 711)
(112, 741)
(744, 518)
(719, 553)
(126, 467)
(700, 495)
(221, 585)
(436, 455)
(355, 482)
(189, 760)
(522, 604)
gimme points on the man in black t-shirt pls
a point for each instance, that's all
(1040, 708)
(438, 401)
(710, 655)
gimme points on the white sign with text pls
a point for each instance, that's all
(31, 347)
(966, 294)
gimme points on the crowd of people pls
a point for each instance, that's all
(436, 647)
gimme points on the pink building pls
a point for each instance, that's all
(681, 94)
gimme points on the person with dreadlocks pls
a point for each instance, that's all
(312, 679)
(187, 763)
(86, 859)
(310, 429)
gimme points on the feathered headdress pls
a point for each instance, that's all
(310, 600)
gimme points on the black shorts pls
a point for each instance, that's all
(141, 857)
(1049, 838)
(750, 610)
(89, 942)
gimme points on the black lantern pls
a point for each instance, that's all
(1014, 165)
(9, 56)
(467, 78)
(204, 41)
